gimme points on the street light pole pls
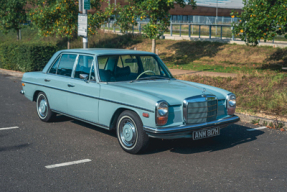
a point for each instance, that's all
(216, 17)
(85, 39)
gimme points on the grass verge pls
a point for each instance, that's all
(265, 94)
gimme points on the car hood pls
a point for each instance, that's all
(172, 91)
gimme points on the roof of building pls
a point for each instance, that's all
(233, 4)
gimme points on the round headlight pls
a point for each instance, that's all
(232, 101)
(161, 113)
(162, 109)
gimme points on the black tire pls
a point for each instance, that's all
(130, 133)
(43, 108)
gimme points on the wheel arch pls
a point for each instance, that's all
(117, 114)
(36, 94)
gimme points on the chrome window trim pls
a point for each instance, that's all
(159, 61)
(58, 57)
(75, 66)
(120, 103)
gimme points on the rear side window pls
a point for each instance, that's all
(53, 70)
(66, 64)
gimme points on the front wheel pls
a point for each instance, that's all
(43, 108)
(130, 133)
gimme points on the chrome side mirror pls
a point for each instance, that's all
(85, 77)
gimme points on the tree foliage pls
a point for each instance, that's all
(156, 10)
(261, 19)
(12, 15)
(60, 17)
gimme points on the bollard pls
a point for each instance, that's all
(221, 32)
(170, 29)
(209, 31)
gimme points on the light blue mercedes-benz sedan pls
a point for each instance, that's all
(129, 91)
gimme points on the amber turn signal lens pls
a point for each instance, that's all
(146, 115)
(231, 110)
(161, 120)
(23, 84)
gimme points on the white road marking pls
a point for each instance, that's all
(67, 163)
(6, 128)
(255, 129)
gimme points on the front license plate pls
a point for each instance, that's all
(205, 133)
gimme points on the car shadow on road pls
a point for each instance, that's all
(62, 118)
(16, 147)
(229, 137)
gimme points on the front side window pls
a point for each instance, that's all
(84, 67)
(131, 67)
(66, 64)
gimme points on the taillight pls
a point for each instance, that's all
(161, 115)
(231, 104)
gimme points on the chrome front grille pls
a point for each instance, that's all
(200, 109)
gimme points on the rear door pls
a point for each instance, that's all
(57, 81)
(83, 102)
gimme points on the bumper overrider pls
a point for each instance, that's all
(185, 131)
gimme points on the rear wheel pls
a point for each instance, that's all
(130, 133)
(43, 109)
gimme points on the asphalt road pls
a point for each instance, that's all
(237, 160)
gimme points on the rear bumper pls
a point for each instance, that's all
(185, 131)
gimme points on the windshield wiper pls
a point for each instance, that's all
(150, 78)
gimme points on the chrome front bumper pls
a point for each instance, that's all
(185, 131)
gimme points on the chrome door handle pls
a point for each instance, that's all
(47, 80)
(70, 85)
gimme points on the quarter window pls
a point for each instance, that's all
(66, 64)
(53, 70)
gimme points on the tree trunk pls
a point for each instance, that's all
(18, 34)
(153, 46)
(68, 44)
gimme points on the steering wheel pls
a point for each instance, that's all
(144, 73)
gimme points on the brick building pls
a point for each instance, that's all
(204, 13)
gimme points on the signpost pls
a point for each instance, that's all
(87, 4)
(84, 5)
(82, 25)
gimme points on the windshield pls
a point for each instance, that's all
(114, 68)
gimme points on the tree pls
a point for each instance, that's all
(261, 19)
(60, 18)
(12, 15)
(156, 10)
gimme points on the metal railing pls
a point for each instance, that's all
(191, 30)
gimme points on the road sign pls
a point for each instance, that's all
(87, 4)
(82, 25)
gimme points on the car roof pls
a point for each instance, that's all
(100, 51)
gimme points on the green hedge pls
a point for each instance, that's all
(25, 56)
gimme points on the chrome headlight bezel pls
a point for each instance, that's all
(231, 101)
(161, 110)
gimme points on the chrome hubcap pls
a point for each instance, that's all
(42, 107)
(128, 133)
